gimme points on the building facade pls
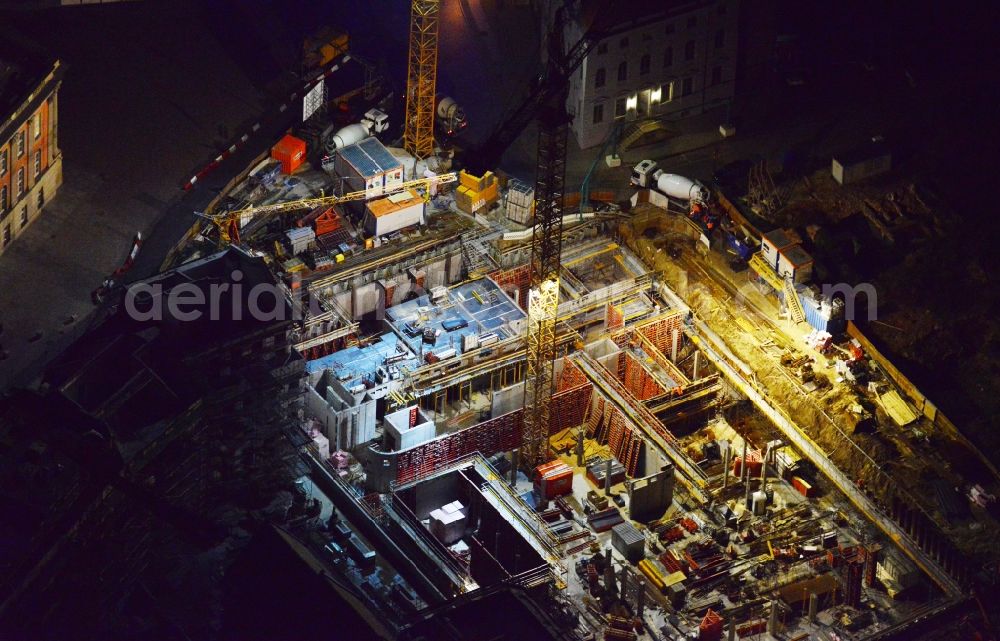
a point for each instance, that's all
(30, 159)
(656, 60)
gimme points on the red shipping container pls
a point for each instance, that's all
(290, 152)
(802, 486)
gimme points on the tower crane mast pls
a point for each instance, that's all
(421, 78)
(550, 177)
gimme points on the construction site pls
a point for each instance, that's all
(596, 406)
(610, 416)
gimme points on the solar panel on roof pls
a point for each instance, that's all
(379, 154)
(359, 160)
(369, 157)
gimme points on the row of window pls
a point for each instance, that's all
(23, 217)
(600, 77)
(19, 181)
(18, 143)
(666, 92)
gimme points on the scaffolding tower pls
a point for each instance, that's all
(421, 78)
(543, 296)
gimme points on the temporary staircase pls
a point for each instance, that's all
(639, 129)
(793, 303)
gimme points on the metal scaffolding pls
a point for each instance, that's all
(421, 78)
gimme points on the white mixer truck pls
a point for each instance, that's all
(375, 121)
(647, 174)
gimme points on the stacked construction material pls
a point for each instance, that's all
(711, 627)
(448, 522)
(299, 239)
(629, 541)
(553, 479)
(754, 463)
(598, 467)
(519, 202)
(475, 194)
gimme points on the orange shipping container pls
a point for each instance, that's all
(290, 152)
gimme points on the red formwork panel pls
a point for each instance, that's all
(638, 380)
(661, 331)
(569, 408)
(570, 377)
(489, 437)
(614, 319)
(519, 277)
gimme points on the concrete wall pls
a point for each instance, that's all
(507, 400)
(346, 423)
(650, 496)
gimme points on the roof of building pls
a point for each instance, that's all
(779, 238)
(139, 373)
(796, 255)
(369, 157)
(23, 65)
(605, 16)
(394, 203)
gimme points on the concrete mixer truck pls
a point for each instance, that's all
(647, 174)
(450, 117)
(374, 122)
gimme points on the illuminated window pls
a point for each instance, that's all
(599, 78)
(644, 65)
(598, 114)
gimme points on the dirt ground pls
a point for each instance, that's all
(879, 454)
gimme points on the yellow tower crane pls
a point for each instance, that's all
(229, 223)
(421, 78)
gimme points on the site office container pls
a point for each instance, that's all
(399, 211)
(795, 263)
(368, 166)
(773, 242)
(802, 486)
(290, 152)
